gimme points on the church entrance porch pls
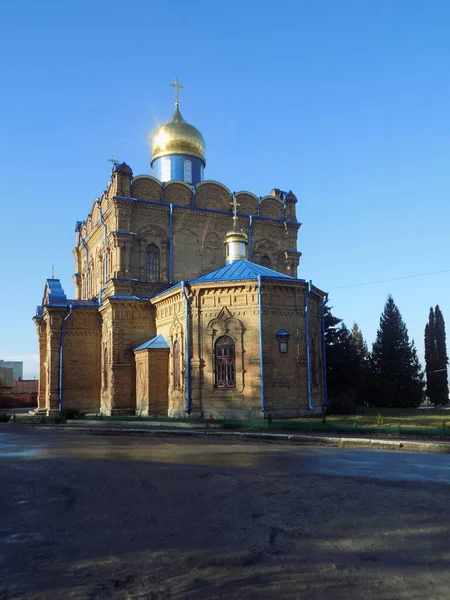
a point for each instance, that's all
(152, 377)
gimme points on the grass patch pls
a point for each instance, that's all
(393, 417)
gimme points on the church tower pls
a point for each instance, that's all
(178, 149)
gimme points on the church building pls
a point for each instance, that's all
(187, 301)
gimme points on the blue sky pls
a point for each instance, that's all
(346, 102)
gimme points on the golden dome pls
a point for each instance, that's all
(236, 233)
(177, 137)
(236, 242)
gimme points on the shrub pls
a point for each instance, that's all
(344, 404)
(71, 413)
(4, 418)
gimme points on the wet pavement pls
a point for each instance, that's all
(267, 457)
(89, 516)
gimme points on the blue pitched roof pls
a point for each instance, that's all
(157, 341)
(282, 333)
(83, 303)
(240, 269)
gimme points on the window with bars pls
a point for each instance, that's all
(265, 261)
(225, 363)
(152, 259)
(176, 366)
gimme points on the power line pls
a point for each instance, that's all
(341, 287)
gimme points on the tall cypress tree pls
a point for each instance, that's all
(442, 357)
(436, 358)
(431, 357)
(396, 374)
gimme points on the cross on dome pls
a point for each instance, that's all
(235, 205)
(177, 87)
(114, 161)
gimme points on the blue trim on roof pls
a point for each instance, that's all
(123, 232)
(156, 342)
(127, 297)
(241, 269)
(209, 210)
(236, 271)
(84, 303)
(123, 279)
(55, 293)
(282, 333)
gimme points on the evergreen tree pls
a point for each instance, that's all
(340, 357)
(359, 344)
(430, 356)
(442, 357)
(396, 375)
(436, 358)
(360, 359)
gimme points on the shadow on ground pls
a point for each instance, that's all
(90, 518)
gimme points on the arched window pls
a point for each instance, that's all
(265, 261)
(166, 170)
(225, 363)
(188, 171)
(202, 172)
(176, 366)
(152, 263)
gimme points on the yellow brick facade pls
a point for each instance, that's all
(86, 345)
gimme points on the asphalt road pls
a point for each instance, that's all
(91, 517)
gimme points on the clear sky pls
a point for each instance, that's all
(346, 102)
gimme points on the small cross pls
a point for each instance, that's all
(113, 159)
(235, 205)
(53, 271)
(177, 86)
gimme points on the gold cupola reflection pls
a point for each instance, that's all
(177, 136)
(178, 148)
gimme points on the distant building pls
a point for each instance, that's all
(15, 365)
(6, 378)
(20, 393)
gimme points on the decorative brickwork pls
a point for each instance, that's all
(142, 237)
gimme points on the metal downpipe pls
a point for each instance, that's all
(261, 353)
(170, 243)
(250, 238)
(105, 244)
(308, 347)
(324, 353)
(187, 350)
(61, 344)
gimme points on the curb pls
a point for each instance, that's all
(118, 428)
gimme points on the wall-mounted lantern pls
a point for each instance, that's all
(283, 338)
